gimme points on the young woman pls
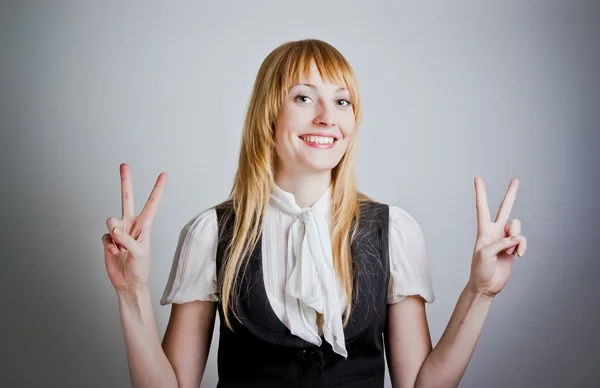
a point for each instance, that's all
(315, 283)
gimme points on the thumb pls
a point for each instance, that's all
(498, 246)
(123, 238)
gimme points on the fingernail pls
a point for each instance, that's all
(114, 251)
(116, 231)
(516, 238)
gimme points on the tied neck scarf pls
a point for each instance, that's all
(311, 281)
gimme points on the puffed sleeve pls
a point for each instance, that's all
(409, 271)
(193, 273)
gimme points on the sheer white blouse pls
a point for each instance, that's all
(297, 265)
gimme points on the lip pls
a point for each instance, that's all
(322, 134)
(322, 146)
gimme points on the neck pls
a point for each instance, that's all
(307, 186)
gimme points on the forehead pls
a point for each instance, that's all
(312, 75)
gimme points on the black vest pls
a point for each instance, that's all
(262, 352)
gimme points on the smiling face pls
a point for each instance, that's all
(315, 125)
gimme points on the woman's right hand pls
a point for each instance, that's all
(127, 243)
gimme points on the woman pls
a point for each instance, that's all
(312, 280)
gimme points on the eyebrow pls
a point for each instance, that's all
(315, 88)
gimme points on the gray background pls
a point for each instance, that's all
(450, 90)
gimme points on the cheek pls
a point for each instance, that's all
(281, 128)
(286, 126)
(348, 128)
(284, 142)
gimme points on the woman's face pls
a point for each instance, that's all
(315, 125)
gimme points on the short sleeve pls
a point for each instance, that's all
(193, 273)
(409, 270)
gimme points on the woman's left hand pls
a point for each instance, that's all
(496, 244)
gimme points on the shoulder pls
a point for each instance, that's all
(396, 216)
(200, 226)
(224, 207)
(208, 217)
(404, 229)
(400, 222)
(372, 210)
(193, 271)
(401, 218)
(409, 267)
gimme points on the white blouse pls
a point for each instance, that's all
(297, 265)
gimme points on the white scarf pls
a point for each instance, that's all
(311, 281)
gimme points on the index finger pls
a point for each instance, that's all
(127, 208)
(481, 203)
(508, 201)
(149, 210)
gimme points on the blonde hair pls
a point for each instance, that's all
(254, 178)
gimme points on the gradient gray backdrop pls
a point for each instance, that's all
(450, 89)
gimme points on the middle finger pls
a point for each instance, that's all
(508, 201)
(149, 210)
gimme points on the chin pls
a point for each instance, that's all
(319, 165)
(318, 168)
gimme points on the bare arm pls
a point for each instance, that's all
(148, 364)
(411, 360)
(491, 265)
(408, 342)
(180, 361)
(447, 363)
(187, 340)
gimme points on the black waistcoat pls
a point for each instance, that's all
(262, 352)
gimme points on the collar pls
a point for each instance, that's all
(286, 202)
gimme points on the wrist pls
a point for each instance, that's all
(132, 293)
(478, 295)
(136, 304)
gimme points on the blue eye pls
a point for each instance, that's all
(301, 96)
(304, 99)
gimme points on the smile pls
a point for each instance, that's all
(319, 141)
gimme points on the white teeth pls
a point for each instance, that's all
(318, 139)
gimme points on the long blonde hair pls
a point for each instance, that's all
(254, 178)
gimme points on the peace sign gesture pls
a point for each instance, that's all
(496, 243)
(127, 243)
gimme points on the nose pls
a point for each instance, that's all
(325, 115)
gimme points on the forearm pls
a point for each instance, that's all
(447, 362)
(148, 364)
